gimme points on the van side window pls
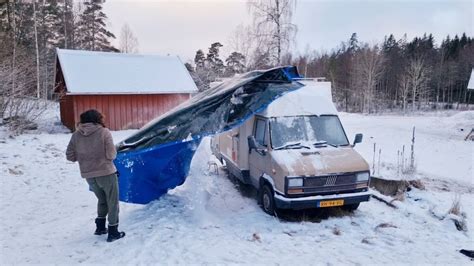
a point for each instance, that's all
(260, 131)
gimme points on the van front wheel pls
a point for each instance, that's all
(266, 199)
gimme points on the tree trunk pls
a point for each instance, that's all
(14, 49)
(37, 51)
(465, 96)
(65, 24)
(413, 95)
(277, 2)
(459, 94)
(468, 100)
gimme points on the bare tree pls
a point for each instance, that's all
(304, 59)
(418, 73)
(273, 27)
(18, 107)
(242, 41)
(404, 89)
(369, 68)
(127, 41)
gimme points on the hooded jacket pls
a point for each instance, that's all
(93, 147)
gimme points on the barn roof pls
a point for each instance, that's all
(88, 72)
(470, 86)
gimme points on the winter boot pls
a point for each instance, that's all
(100, 229)
(114, 234)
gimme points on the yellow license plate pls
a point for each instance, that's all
(331, 203)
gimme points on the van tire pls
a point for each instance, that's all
(266, 199)
(351, 207)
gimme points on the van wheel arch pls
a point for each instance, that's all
(266, 196)
(262, 182)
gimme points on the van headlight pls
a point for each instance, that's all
(295, 182)
(361, 177)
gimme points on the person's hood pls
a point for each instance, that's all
(88, 129)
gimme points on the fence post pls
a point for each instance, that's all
(412, 156)
(373, 160)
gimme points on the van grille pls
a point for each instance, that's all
(330, 189)
(332, 180)
(314, 181)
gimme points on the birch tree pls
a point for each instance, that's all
(404, 89)
(273, 25)
(128, 43)
(242, 41)
(418, 74)
(368, 69)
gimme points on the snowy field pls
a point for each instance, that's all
(47, 213)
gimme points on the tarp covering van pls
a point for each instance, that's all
(157, 157)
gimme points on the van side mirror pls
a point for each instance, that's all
(252, 143)
(357, 139)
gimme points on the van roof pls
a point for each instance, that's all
(314, 98)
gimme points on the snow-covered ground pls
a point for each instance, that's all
(47, 212)
(440, 149)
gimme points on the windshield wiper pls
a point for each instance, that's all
(296, 145)
(321, 143)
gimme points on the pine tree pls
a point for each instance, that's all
(213, 62)
(464, 40)
(261, 59)
(353, 44)
(68, 21)
(235, 63)
(50, 36)
(50, 29)
(91, 29)
(209, 67)
(199, 59)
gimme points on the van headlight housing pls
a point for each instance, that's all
(361, 177)
(295, 182)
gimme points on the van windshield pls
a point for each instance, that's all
(288, 131)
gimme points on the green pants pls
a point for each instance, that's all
(106, 190)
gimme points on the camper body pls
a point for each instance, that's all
(296, 153)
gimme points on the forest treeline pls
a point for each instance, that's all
(420, 73)
(30, 32)
(398, 73)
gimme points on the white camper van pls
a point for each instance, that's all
(296, 153)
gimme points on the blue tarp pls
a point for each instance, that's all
(157, 158)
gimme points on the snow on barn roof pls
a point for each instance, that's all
(470, 86)
(315, 98)
(88, 72)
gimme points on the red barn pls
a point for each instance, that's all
(129, 89)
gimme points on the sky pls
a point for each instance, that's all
(183, 26)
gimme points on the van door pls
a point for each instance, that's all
(258, 161)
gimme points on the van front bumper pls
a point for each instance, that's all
(310, 202)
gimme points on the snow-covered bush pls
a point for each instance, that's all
(21, 112)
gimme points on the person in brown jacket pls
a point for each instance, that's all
(93, 147)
